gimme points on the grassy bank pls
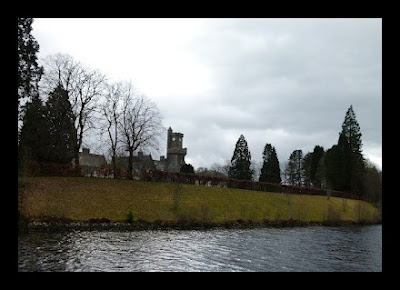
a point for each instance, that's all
(84, 199)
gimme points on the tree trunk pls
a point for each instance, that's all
(114, 162)
(114, 167)
(77, 167)
(130, 164)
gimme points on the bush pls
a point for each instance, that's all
(129, 217)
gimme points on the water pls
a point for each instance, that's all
(321, 249)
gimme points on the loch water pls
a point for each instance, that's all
(295, 249)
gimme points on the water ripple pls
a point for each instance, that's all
(267, 249)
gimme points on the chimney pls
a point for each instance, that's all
(162, 158)
(85, 150)
(140, 153)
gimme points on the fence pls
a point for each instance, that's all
(51, 169)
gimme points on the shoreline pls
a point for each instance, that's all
(45, 226)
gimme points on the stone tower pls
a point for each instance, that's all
(175, 152)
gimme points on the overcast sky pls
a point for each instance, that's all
(288, 82)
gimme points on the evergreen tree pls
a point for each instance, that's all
(187, 168)
(270, 171)
(337, 163)
(306, 169)
(62, 132)
(351, 130)
(316, 157)
(34, 133)
(241, 161)
(294, 168)
(29, 72)
(320, 175)
(373, 183)
(344, 162)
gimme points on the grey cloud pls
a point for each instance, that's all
(300, 76)
(288, 82)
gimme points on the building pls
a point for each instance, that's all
(140, 163)
(175, 153)
(91, 163)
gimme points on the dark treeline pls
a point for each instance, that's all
(341, 168)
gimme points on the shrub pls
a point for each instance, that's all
(129, 217)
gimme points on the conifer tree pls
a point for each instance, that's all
(316, 157)
(29, 72)
(351, 130)
(344, 162)
(337, 165)
(270, 171)
(306, 169)
(311, 162)
(34, 133)
(187, 168)
(241, 161)
(62, 132)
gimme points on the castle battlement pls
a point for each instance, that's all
(175, 153)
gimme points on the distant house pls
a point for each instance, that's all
(140, 163)
(91, 163)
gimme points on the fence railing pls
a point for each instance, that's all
(51, 169)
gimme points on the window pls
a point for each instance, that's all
(180, 139)
(173, 138)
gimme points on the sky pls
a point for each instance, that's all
(287, 82)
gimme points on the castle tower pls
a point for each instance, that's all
(175, 152)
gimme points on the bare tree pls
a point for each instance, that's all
(293, 170)
(221, 169)
(84, 87)
(140, 124)
(111, 111)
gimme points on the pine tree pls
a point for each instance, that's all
(338, 166)
(34, 133)
(241, 161)
(320, 174)
(29, 72)
(373, 183)
(316, 157)
(270, 171)
(306, 169)
(344, 162)
(187, 168)
(351, 130)
(294, 168)
(62, 132)
(311, 164)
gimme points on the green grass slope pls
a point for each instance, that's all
(80, 199)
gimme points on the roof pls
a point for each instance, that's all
(92, 160)
(144, 160)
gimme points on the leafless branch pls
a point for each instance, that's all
(84, 87)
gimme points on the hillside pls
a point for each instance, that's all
(81, 199)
